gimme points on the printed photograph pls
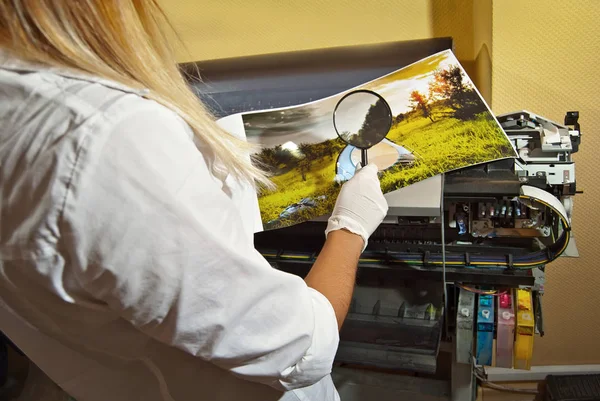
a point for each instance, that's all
(417, 122)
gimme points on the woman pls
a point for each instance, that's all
(127, 267)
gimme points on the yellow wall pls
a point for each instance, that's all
(544, 57)
(219, 29)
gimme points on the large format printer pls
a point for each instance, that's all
(448, 242)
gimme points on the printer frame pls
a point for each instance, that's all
(386, 329)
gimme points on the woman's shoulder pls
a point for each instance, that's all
(70, 94)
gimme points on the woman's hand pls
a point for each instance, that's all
(360, 207)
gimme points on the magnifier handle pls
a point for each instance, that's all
(363, 155)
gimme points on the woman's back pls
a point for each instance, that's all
(127, 265)
(87, 170)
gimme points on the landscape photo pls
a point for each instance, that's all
(439, 123)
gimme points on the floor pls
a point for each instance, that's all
(362, 385)
(486, 394)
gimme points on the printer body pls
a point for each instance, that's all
(493, 226)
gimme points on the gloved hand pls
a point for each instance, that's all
(360, 207)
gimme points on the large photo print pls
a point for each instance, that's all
(439, 123)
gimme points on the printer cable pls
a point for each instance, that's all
(443, 244)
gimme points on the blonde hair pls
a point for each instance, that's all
(124, 41)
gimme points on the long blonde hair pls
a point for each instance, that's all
(125, 41)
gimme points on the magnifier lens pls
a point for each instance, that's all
(362, 119)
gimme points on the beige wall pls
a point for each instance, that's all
(228, 28)
(544, 57)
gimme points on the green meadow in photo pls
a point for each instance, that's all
(439, 123)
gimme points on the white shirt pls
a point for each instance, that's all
(127, 270)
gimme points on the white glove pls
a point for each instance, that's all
(360, 207)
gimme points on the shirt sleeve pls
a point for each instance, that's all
(150, 233)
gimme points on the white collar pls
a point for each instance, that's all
(10, 62)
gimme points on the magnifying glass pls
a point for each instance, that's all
(362, 118)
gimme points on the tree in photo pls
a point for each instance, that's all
(266, 158)
(419, 102)
(310, 154)
(451, 87)
(332, 147)
(376, 124)
(448, 85)
(304, 167)
(276, 159)
(284, 157)
(308, 150)
(398, 119)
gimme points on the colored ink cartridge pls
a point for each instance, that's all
(465, 318)
(485, 330)
(524, 330)
(505, 336)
